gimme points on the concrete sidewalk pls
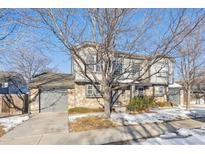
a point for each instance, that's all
(103, 136)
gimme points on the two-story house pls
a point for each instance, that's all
(143, 75)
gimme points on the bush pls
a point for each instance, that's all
(84, 110)
(141, 103)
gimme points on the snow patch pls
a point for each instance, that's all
(185, 132)
(156, 115)
(168, 135)
(11, 122)
(182, 137)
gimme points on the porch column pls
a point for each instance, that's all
(181, 97)
(132, 91)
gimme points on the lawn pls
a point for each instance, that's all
(89, 123)
(78, 110)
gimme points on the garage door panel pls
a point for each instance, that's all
(54, 100)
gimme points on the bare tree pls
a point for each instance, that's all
(190, 61)
(7, 25)
(28, 63)
(154, 33)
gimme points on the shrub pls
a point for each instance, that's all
(84, 110)
(141, 103)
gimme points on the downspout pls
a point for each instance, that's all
(39, 96)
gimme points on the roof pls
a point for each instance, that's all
(124, 53)
(52, 80)
(7, 74)
(175, 85)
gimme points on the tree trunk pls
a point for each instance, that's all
(107, 101)
(188, 98)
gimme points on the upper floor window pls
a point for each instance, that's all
(94, 64)
(135, 70)
(91, 63)
(117, 66)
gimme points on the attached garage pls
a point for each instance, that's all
(53, 100)
(52, 92)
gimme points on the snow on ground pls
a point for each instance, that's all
(180, 137)
(157, 115)
(11, 122)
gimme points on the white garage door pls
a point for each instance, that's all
(54, 100)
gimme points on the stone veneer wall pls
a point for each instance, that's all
(77, 98)
(34, 101)
(125, 97)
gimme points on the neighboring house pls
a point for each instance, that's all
(197, 92)
(12, 83)
(12, 91)
(176, 94)
(85, 95)
(50, 92)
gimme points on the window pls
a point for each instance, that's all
(6, 84)
(97, 93)
(99, 66)
(135, 70)
(91, 63)
(159, 91)
(91, 91)
(117, 66)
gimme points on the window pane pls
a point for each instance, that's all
(135, 69)
(91, 62)
(96, 91)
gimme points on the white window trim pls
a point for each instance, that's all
(158, 94)
(94, 91)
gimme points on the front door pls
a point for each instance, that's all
(139, 91)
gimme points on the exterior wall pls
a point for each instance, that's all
(77, 98)
(78, 75)
(12, 110)
(149, 91)
(34, 101)
(194, 99)
(164, 65)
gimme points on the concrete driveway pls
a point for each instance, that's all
(38, 125)
(52, 129)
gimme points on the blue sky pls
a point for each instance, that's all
(50, 46)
